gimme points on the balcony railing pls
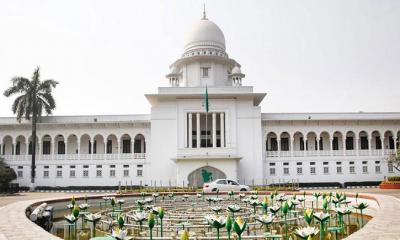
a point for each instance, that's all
(190, 152)
(60, 157)
(350, 153)
(389, 151)
(341, 152)
(363, 152)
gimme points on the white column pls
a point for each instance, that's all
(214, 130)
(222, 130)
(370, 146)
(119, 149)
(26, 150)
(92, 149)
(344, 145)
(331, 145)
(291, 146)
(190, 135)
(39, 152)
(133, 148)
(79, 149)
(105, 147)
(317, 140)
(383, 145)
(357, 152)
(305, 140)
(66, 149)
(278, 140)
(198, 132)
(53, 147)
(14, 146)
(395, 144)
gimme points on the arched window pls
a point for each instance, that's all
(126, 143)
(272, 142)
(139, 144)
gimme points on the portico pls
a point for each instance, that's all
(227, 166)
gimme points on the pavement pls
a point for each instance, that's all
(385, 224)
(389, 192)
(5, 200)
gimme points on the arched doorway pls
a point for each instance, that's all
(204, 174)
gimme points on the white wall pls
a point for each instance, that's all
(192, 76)
(163, 142)
(249, 142)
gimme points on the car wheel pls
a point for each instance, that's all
(243, 190)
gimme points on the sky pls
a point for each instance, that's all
(308, 56)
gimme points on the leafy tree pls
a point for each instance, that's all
(394, 159)
(33, 97)
(7, 174)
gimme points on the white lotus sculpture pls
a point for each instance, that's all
(306, 232)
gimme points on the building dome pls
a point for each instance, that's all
(174, 70)
(205, 34)
(236, 70)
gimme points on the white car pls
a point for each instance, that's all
(224, 185)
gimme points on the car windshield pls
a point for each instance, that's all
(221, 182)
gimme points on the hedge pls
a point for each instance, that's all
(362, 184)
(394, 179)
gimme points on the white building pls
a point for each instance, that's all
(180, 144)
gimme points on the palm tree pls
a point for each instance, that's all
(33, 96)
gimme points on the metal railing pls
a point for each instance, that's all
(60, 157)
(340, 152)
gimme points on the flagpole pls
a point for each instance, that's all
(206, 105)
(206, 132)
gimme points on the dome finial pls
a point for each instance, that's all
(204, 11)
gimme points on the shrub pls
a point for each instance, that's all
(361, 184)
(7, 174)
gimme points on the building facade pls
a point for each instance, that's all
(180, 143)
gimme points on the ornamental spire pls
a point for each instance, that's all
(204, 12)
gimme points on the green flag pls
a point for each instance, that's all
(206, 104)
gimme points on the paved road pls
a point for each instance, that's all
(390, 192)
(4, 200)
